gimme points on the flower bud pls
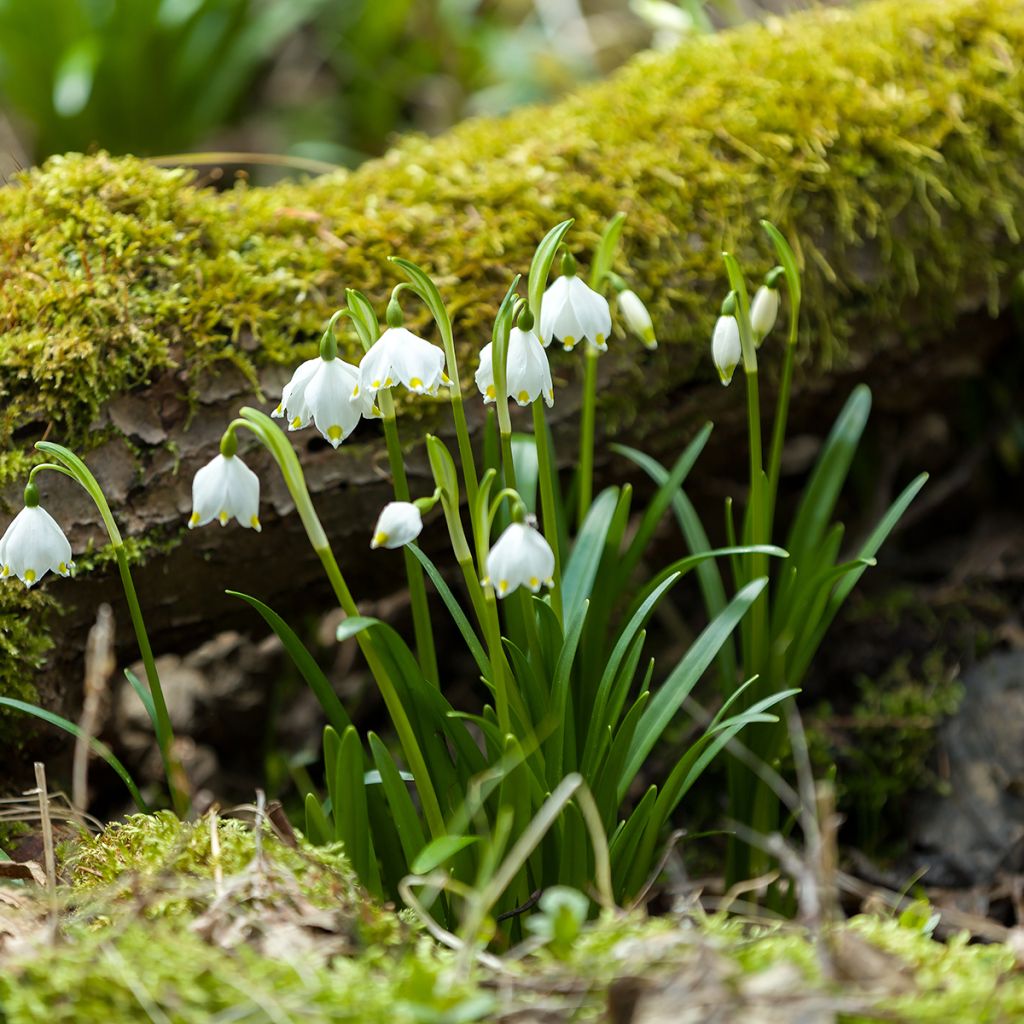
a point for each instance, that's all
(399, 523)
(763, 311)
(725, 347)
(637, 318)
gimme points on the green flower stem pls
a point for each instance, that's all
(176, 779)
(586, 472)
(413, 570)
(272, 438)
(459, 416)
(78, 471)
(549, 510)
(492, 634)
(406, 735)
(506, 696)
(508, 462)
(779, 427)
(758, 521)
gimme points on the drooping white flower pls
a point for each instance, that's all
(33, 545)
(572, 311)
(763, 312)
(401, 357)
(725, 347)
(527, 373)
(637, 318)
(399, 523)
(520, 558)
(321, 391)
(223, 488)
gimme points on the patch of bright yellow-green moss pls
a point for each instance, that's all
(158, 923)
(887, 140)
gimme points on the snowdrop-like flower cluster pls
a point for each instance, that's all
(223, 488)
(572, 311)
(520, 558)
(34, 544)
(527, 373)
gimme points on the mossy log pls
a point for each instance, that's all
(138, 310)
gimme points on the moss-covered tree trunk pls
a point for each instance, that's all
(138, 310)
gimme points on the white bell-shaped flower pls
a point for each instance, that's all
(401, 357)
(520, 558)
(399, 523)
(764, 311)
(34, 545)
(527, 373)
(725, 347)
(637, 318)
(572, 311)
(321, 391)
(223, 488)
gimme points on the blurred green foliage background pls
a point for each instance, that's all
(331, 80)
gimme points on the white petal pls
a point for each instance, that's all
(293, 405)
(538, 560)
(551, 307)
(533, 374)
(223, 488)
(329, 397)
(33, 545)
(418, 364)
(399, 523)
(209, 489)
(521, 557)
(485, 374)
(242, 493)
(375, 370)
(592, 313)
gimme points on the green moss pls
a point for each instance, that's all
(882, 749)
(156, 925)
(887, 139)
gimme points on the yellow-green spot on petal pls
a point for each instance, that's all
(415, 382)
(568, 342)
(599, 340)
(524, 397)
(334, 432)
(375, 383)
(388, 382)
(254, 522)
(491, 391)
(355, 392)
(30, 575)
(534, 582)
(379, 538)
(502, 586)
(193, 520)
(62, 569)
(223, 517)
(296, 423)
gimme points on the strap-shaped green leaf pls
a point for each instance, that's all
(98, 747)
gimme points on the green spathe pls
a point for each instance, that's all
(887, 138)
